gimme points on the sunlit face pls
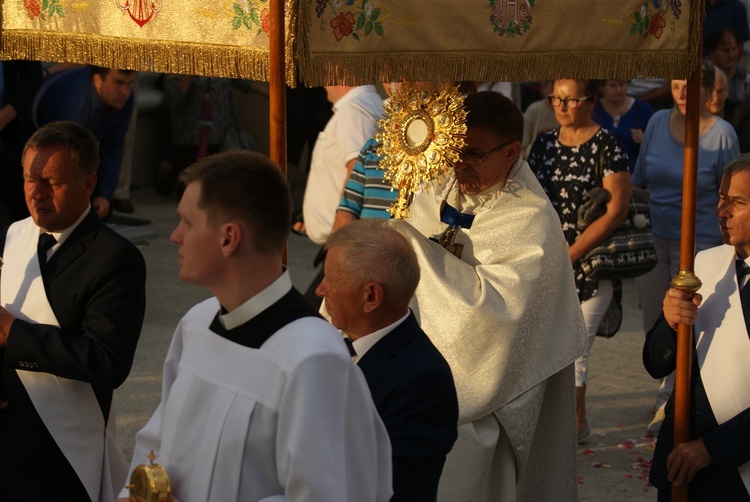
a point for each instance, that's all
(615, 90)
(198, 239)
(56, 194)
(679, 94)
(115, 88)
(344, 301)
(727, 53)
(718, 97)
(565, 114)
(734, 211)
(476, 175)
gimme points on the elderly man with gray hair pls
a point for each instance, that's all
(371, 273)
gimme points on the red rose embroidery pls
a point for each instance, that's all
(342, 25)
(656, 27)
(33, 7)
(265, 20)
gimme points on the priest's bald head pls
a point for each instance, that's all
(371, 273)
(236, 215)
(59, 170)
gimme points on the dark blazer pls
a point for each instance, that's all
(413, 390)
(95, 284)
(728, 443)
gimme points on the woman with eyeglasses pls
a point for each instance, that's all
(623, 115)
(660, 169)
(566, 161)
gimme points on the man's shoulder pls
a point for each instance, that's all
(414, 350)
(306, 338)
(714, 253)
(71, 82)
(104, 237)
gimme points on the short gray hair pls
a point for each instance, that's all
(375, 252)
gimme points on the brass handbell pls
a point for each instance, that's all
(149, 483)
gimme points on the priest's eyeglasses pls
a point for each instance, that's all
(475, 159)
(571, 103)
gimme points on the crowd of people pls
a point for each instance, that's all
(439, 357)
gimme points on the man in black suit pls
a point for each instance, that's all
(371, 273)
(72, 300)
(714, 463)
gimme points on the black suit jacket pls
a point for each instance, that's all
(413, 390)
(95, 284)
(728, 443)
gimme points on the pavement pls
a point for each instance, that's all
(612, 465)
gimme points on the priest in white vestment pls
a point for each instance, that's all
(715, 463)
(497, 298)
(260, 399)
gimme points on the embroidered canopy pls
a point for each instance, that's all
(365, 41)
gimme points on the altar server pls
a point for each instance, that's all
(260, 399)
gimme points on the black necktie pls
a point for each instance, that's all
(350, 346)
(46, 241)
(743, 269)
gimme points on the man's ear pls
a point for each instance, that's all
(97, 78)
(514, 149)
(372, 296)
(231, 235)
(89, 184)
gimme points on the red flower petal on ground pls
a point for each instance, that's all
(342, 25)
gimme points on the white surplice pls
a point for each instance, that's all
(507, 319)
(292, 420)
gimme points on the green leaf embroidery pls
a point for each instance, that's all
(379, 29)
(59, 11)
(236, 23)
(368, 28)
(375, 14)
(637, 17)
(246, 22)
(632, 30)
(360, 21)
(45, 4)
(254, 17)
(238, 10)
(355, 36)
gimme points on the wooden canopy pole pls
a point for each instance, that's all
(277, 89)
(277, 85)
(686, 279)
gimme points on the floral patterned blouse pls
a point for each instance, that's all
(567, 174)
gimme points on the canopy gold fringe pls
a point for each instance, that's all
(142, 55)
(357, 68)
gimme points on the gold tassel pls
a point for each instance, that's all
(145, 55)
